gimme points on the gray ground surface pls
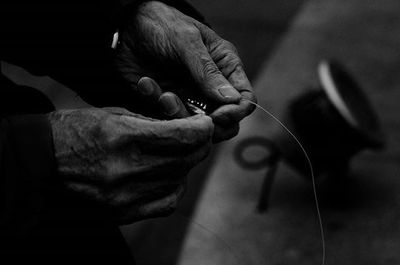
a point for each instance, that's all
(361, 216)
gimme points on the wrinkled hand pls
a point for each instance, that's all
(181, 53)
(134, 165)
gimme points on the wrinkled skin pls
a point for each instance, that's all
(134, 165)
(137, 166)
(180, 53)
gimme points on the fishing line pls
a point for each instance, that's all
(214, 234)
(320, 223)
(314, 186)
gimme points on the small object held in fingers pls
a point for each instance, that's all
(115, 41)
(196, 107)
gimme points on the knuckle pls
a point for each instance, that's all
(170, 206)
(173, 204)
(110, 133)
(209, 68)
(229, 46)
(218, 43)
(104, 130)
(226, 50)
(186, 135)
(225, 46)
(121, 201)
(199, 133)
(233, 60)
(114, 201)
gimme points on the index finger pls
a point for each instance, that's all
(169, 135)
(234, 113)
(227, 59)
(205, 72)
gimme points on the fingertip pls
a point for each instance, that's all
(229, 94)
(250, 101)
(144, 86)
(148, 87)
(169, 104)
(203, 117)
(205, 123)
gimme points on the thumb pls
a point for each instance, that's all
(207, 75)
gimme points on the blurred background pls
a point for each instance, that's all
(282, 44)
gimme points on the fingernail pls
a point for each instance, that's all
(170, 104)
(146, 86)
(229, 92)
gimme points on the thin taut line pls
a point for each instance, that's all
(321, 227)
(215, 235)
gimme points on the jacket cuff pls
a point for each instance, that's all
(30, 171)
(33, 141)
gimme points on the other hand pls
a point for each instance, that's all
(130, 164)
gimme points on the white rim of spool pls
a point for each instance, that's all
(333, 94)
(115, 40)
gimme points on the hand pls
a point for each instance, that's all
(183, 54)
(130, 164)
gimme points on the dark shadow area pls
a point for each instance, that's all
(339, 194)
(253, 26)
(353, 192)
(164, 236)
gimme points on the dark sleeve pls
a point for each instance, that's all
(70, 41)
(125, 7)
(38, 223)
(27, 171)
